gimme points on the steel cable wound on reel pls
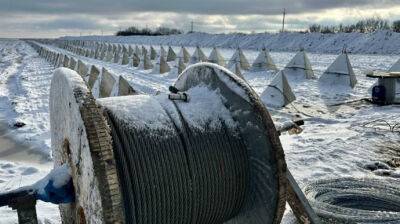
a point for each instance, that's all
(213, 159)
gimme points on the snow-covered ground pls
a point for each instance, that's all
(380, 42)
(336, 141)
(24, 95)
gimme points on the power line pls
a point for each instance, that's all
(283, 20)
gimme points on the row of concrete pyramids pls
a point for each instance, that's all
(215, 57)
(102, 82)
(141, 57)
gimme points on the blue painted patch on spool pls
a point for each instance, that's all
(57, 195)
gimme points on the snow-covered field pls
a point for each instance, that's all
(336, 141)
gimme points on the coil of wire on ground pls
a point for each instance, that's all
(352, 200)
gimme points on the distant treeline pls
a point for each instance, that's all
(363, 26)
(148, 32)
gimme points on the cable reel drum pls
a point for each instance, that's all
(214, 157)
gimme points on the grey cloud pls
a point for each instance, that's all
(225, 7)
(69, 23)
(56, 17)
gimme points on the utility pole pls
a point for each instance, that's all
(191, 26)
(283, 20)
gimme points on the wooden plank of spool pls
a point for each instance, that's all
(80, 137)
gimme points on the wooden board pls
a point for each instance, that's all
(80, 137)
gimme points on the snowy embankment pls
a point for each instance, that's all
(381, 42)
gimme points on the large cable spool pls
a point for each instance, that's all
(214, 159)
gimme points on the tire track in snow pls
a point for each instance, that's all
(24, 93)
(7, 75)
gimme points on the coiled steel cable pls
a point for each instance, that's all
(351, 200)
(184, 176)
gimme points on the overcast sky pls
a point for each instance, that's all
(52, 18)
